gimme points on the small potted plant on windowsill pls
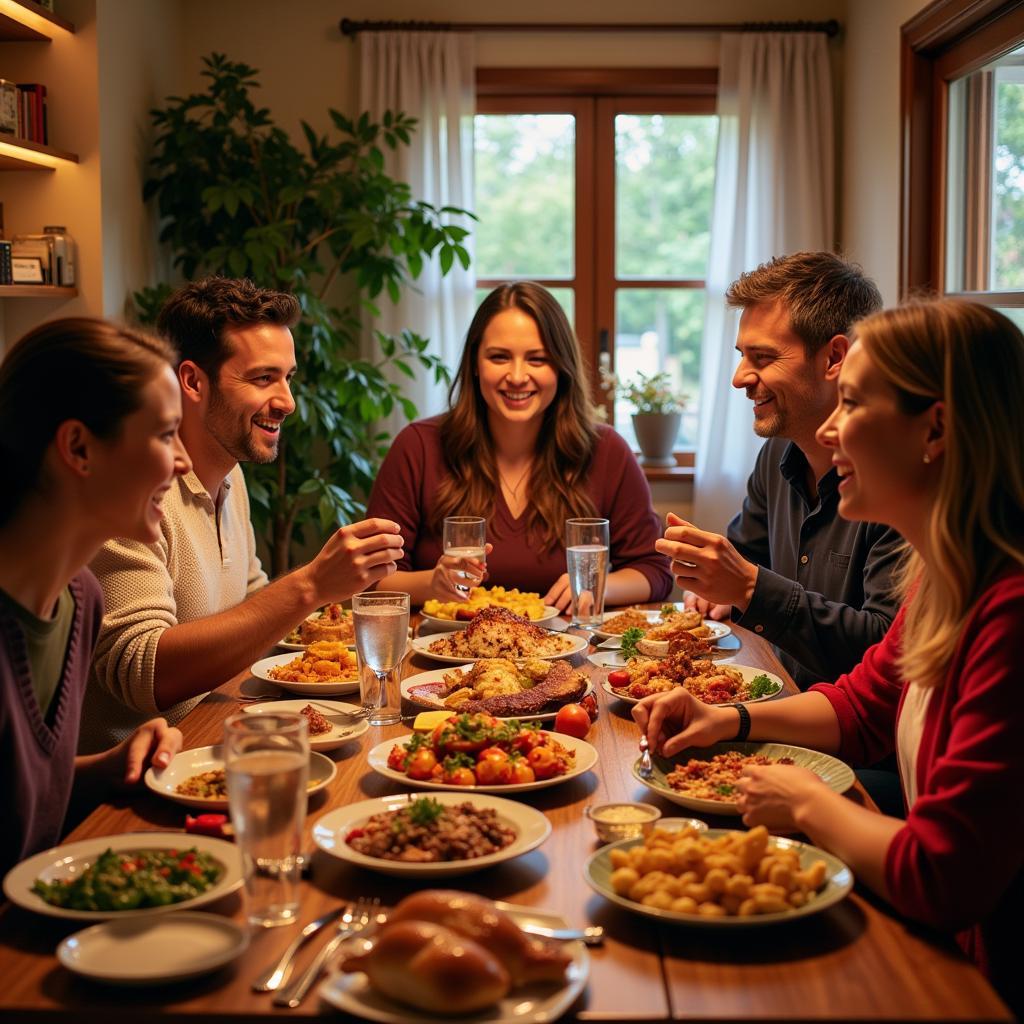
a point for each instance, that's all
(658, 411)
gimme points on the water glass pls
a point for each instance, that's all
(381, 621)
(466, 537)
(267, 761)
(586, 557)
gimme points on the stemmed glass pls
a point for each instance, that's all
(381, 622)
(586, 557)
(466, 537)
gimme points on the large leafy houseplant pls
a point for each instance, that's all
(239, 198)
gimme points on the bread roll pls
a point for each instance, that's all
(432, 968)
(476, 918)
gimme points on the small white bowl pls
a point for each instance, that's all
(622, 820)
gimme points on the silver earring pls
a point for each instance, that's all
(927, 458)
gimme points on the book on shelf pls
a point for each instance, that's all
(5, 262)
(32, 112)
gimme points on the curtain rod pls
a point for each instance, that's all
(353, 28)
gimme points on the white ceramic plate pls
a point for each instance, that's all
(71, 858)
(154, 950)
(531, 827)
(538, 1003)
(421, 645)
(421, 690)
(839, 881)
(343, 729)
(285, 645)
(261, 670)
(435, 621)
(746, 670)
(834, 773)
(719, 630)
(586, 758)
(205, 759)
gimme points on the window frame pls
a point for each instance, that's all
(594, 96)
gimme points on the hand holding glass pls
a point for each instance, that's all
(465, 537)
(586, 557)
(266, 758)
(381, 621)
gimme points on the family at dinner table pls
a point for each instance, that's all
(879, 549)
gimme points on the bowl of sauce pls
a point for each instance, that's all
(613, 822)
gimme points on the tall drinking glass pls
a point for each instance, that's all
(267, 762)
(466, 537)
(586, 557)
(381, 621)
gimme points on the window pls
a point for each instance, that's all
(605, 200)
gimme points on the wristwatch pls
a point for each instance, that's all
(744, 722)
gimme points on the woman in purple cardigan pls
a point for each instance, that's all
(89, 443)
(519, 447)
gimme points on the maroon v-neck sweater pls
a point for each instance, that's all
(406, 488)
(37, 754)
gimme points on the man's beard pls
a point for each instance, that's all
(235, 437)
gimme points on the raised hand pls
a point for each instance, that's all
(449, 583)
(355, 557)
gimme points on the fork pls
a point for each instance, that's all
(277, 974)
(362, 914)
(646, 769)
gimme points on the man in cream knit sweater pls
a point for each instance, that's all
(190, 611)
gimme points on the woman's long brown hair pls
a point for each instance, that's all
(557, 487)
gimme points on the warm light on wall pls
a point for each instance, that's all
(31, 20)
(30, 156)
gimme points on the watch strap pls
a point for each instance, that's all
(744, 730)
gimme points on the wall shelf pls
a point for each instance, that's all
(21, 155)
(36, 291)
(24, 21)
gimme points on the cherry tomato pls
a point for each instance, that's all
(421, 764)
(589, 704)
(522, 772)
(544, 762)
(461, 776)
(572, 720)
(396, 759)
(526, 739)
(618, 679)
(492, 754)
(493, 773)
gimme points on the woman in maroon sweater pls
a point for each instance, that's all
(520, 448)
(89, 443)
(929, 439)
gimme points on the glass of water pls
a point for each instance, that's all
(586, 556)
(267, 761)
(381, 621)
(466, 537)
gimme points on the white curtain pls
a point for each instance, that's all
(429, 76)
(774, 194)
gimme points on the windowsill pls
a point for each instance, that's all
(675, 474)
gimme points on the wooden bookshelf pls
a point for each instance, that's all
(36, 291)
(22, 155)
(24, 21)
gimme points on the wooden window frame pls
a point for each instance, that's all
(944, 42)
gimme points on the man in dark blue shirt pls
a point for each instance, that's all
(815, 585)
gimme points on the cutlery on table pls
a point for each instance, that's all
(646, 769)
(277, 974)
(362, 915)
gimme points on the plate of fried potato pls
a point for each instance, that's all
(458, 614)
(721, 878)
(326, 668)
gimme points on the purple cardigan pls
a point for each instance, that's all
(407, 484)
(37, 755)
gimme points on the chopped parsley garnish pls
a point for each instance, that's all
(425, 811)
(629, 639)
(725, 788)
(667, 610)
(762, 686)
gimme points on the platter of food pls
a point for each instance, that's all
(483, 754)
(436, 836)
(498, 633)
(708, 681)
(332, 724)
(172, 947)
(459, 614)
(529, 691)
(504, 975)
(661, 625)
(325, 668)
(719, 878)
(196, 778)
(704, 778)
(88, 881)
(332, 623)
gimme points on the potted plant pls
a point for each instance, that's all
(658, 412)
(238, 197)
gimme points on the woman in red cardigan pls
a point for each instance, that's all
(928, 437)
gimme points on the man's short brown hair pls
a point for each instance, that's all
(196, 317)
(824, 293)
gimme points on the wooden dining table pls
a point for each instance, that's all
(855, 961)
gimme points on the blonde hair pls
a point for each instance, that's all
(971, 358)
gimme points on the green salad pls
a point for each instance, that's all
(132, 880)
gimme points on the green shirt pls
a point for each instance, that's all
(47, 641)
